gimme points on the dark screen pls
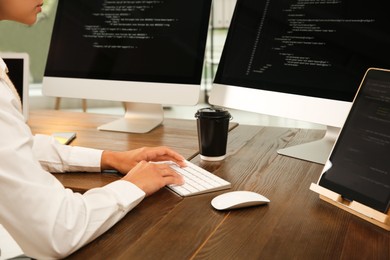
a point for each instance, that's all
(360, 159)
(16, 73)
(152, 41)
(312, 48)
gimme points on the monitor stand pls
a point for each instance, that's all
(138, 118)
(317, 151)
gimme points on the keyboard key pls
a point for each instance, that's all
(197, 181)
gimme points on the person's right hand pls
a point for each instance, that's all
(150, 177)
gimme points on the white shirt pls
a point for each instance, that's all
(45, 219)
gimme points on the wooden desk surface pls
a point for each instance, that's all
(295, 225)
(178, 134)
(181, 135)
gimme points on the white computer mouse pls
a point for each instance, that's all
(238, 199)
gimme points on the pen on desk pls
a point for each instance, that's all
(113, 172)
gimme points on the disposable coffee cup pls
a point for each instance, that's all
(213, 127)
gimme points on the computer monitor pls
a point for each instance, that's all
(18, 64)
(301, 60)
(145, 53)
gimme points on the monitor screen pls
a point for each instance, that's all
(301, 59)
(133, 51)
(19, 72)
(358, 168)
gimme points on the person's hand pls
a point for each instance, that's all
(123, 162)
(150, 177)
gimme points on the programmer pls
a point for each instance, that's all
(46, 219)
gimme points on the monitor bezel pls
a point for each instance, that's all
(177, 91)
(25, 96)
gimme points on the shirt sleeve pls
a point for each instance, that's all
(56, 157)
(46, 219)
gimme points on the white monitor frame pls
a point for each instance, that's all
(129, 68)
(331, 113)
(25, 96)
(301, 63)
(143, 113)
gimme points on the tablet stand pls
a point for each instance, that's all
(369, 214)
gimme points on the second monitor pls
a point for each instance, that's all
(302, 60)
(145, 53)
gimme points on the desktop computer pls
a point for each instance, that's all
(302, 60)
(18, 65)
(144, 53)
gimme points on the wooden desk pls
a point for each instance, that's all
(295, 225)
(181, 135)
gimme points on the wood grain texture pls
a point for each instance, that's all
(180, 135)
(295, 225)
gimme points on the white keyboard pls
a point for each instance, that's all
(197, 181)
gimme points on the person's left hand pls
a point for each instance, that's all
(123, 162)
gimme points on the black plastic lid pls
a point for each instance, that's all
(212, 112)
